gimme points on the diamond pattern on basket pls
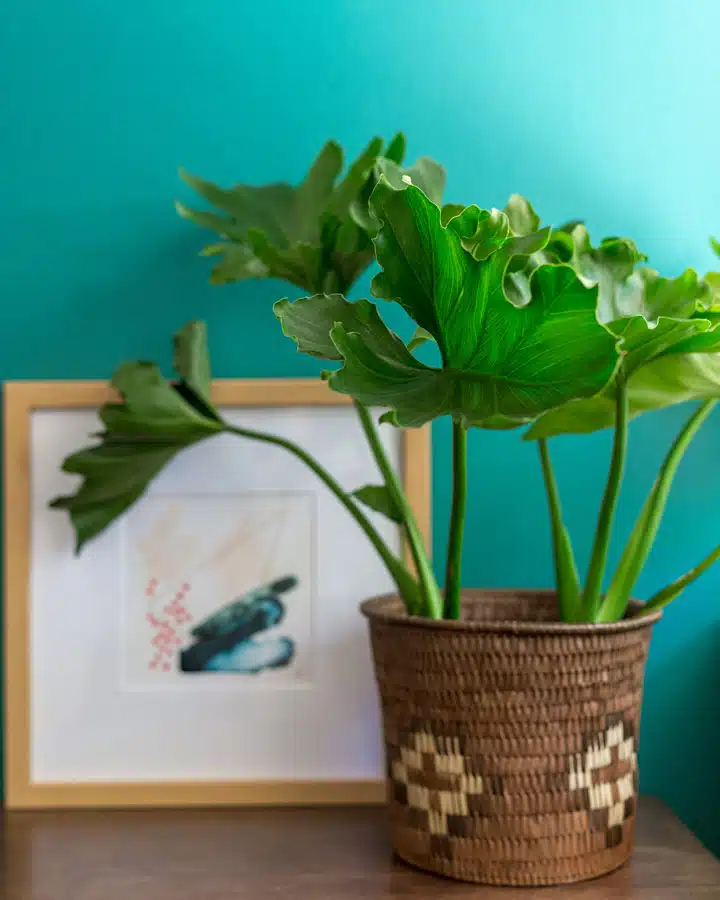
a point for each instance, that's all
(432, 777)
(444, 789)
(606, 776)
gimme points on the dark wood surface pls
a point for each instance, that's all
(331, 854)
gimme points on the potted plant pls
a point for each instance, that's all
(510, 717)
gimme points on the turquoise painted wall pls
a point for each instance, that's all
(605, 111)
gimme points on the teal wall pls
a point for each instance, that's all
(604, 111)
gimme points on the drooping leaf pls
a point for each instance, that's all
(316, 235)
(142, 434)
(715, 244)
(378, 498)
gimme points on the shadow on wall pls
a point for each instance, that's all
(681, 731)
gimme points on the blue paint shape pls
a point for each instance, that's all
(252, 657)
(224, 640)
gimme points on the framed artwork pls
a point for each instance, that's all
(207, 648)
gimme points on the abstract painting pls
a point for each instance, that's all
(219, 586)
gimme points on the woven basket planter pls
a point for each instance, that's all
(511, 738)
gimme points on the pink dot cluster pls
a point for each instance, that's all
(165, 639)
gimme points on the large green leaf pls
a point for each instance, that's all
(142, 434)
(501, 364)
(316, 235)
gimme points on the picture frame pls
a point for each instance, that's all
(39, 418)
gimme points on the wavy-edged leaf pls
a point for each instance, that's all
(521, 215)
(558, 247)
(378, 498)
(142, 434)
(449, 211)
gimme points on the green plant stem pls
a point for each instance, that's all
(663, 597)
(406, 584)
(429, 586)
(596, 571)
(646, 527)
(566, 576)
(453, 572)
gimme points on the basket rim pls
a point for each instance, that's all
(375, 609)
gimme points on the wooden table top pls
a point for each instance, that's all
(300, 854)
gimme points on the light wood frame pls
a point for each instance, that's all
(21, 399)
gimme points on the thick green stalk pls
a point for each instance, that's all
(406, 584)
(596, 571)
(566, 576)
(453, 573)
(646, 527)
(428, 584)
(663, 597)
